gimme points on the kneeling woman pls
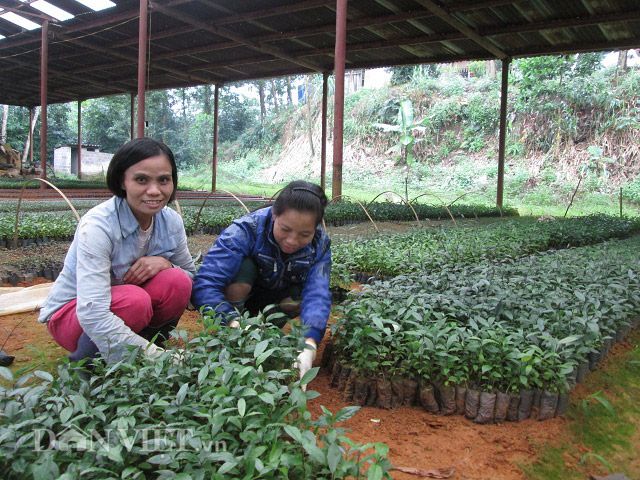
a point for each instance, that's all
(276, 255)
(118, 287)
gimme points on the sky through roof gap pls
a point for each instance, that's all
(49, 9)
(19, 20)
(97, 5)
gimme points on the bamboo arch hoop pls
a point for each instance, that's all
(481, 194)
(440, 200)
(197, 222)
(24, 185)
(401, 198)
(334, 199)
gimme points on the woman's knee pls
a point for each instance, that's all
(133, 305)
(172, 285)
(237, 292)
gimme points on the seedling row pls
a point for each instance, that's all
(491, 340)
(41, 226)
(232, 396)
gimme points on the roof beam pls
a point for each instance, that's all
(461, 27)
(31, 85)
(272, 12)
(562, 23)
(80, 25)
(223, 32)
(623, 44)
(131, 58)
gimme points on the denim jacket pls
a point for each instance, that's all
(252, 236)
(103, 249)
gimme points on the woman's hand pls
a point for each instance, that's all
(145, 268)
(305, 359)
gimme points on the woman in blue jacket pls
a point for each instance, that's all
(276, 255)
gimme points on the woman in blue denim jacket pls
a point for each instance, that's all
(276, 255)
(118, 287)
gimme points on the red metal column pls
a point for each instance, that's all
(44, 74)
(503, 129)
(323, 148)
(143, 38)
(133, 111)
(31, 114)
(338, 111)
(79, 139)
(214, 163)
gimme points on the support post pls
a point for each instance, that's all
(323, 146)
(338, 112)
(503, 130)
(142, 65)
(214, 163)
(44, 74)
(79, 139)
(132, 125)
(31, 115)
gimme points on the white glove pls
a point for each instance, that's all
(153, 352)
(306, 358)
(234, 324)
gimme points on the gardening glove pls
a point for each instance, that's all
(306, 358)
(154, 352)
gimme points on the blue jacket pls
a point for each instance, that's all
(252, 236)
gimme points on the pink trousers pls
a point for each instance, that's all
(154, 303)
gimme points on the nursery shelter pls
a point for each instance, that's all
(70, 50)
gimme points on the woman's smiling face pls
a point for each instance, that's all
(294, 229)
(148, 185)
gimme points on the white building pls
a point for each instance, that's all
(94, 162)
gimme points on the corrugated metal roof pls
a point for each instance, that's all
(203, 41)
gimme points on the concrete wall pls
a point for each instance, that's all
(93, 162)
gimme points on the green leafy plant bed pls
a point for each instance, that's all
(440, 248)
(229, 405)
(38, 220)
(492, 341)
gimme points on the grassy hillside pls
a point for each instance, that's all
(568, 122)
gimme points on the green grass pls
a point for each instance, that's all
(599, 441)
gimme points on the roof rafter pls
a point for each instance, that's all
(461, 27)
(223, 32)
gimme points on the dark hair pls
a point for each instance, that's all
(302, 196)
(133, 152)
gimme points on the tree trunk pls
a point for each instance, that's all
(3, 131)
(491, 68)
(25, 152)
(622, 61)
(309, 117)
(274, 96)
(263, 109)
(289, 97)
(206, 93)
(183, 97)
